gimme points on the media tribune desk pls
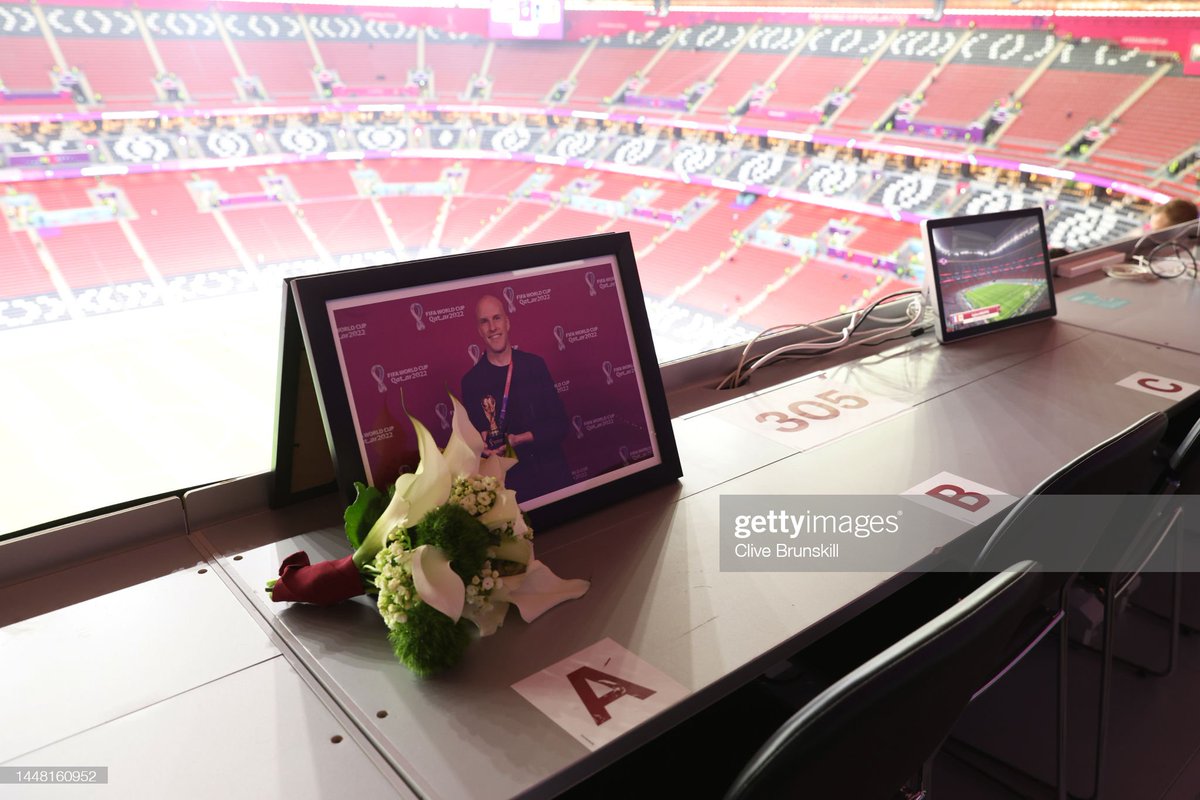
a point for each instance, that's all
(1163, 312)
(1002, 411)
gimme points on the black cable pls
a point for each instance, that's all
(1179, 252)
(913, 334)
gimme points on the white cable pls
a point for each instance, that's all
(913, 313)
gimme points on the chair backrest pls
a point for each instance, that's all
(865, 735)
(1036, 529)
(1185, 462)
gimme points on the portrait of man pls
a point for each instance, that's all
(511, 400)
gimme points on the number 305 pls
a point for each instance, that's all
(805, 410)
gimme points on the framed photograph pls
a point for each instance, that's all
(547, 346)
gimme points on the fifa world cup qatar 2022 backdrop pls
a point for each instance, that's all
(408, 350)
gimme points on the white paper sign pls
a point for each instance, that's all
(600, 692)
(810, 413)
(1157, 385)
(958, 497)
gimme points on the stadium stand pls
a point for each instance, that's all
(25, 58)
(454, 63)
(1158, 127)
(756, 69)
(826, 285)
(738, 279)
(414, 222)
(962, 93)
(346, 226)
(684, 64)
(879, 90)
(808, 80)
(23, 274)
(736, 81)
(370, 56)
(512, 227)
(107, 47)
(269, 234)
(528, 72)
(881, 237)
(197, 246)
(614, 62)
(1084, 84)
(93, 255)
(191, 48)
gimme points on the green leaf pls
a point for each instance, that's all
(362, 514)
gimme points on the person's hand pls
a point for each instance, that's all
(516, 439)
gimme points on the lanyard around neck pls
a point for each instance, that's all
(503, 415)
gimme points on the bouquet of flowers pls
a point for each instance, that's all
(445, 548)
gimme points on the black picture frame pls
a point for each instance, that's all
(301, 467)
(934, 277)
(313, 294)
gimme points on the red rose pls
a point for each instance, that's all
(321, 584)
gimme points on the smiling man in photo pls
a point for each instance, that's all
(511, 400)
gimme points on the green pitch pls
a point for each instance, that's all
(1009, 296)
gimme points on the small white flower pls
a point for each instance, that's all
(488, 583)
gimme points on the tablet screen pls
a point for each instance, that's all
(989, 271)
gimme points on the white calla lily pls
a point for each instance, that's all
(495, 467)
(433, 478)
(436, 583)
(533, 592)
(417, 494)
(541, 590)
(465, 446)
(488, 621)
(519, 551)
(503, 511)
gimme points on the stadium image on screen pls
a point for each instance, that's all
(990, 272)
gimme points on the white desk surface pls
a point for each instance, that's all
(71, 669)
(257, 733)
(164, 647)
(657, 586)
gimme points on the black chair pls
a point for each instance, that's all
(870, 732)
(1029, 532)
(1119, 561)
(1184, 463)
(1036, 529)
